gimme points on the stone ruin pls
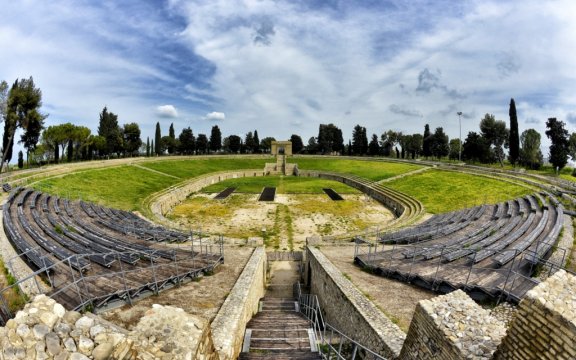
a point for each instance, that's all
(281, 149)
(447, 327)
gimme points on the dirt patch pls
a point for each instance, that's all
(203, 298)
(395, 299)
(286, 222)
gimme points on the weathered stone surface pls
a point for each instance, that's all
(85, 345)
(103, 351)
(84, 323)
(452, 326)
(349, 310)
(70, 317)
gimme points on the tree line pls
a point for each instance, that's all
(20, 109)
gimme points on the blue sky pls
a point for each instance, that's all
(284, 67)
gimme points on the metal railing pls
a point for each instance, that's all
(81, 291)
(332, 344)
(387, 259)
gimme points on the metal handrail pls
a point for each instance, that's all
(346, 348)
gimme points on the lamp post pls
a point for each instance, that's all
(460, 126)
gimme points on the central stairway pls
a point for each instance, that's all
(279, 331)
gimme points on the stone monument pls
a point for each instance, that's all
(281, 149)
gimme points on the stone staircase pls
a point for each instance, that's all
(279, 331)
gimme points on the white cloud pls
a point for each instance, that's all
(167, 111)
(215, 116)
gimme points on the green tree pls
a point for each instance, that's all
(266, 144)
(22, 111)
(132, 141)
(530, 153)
(256, 142)
(496, 134)
(426, 142)
(454, 149)
(234, 144)
(476, 148)
(172, 144)
(297, 144)
(439, 145)
(249, 142)
(147, 146)
(187, 141)
(559, 148)
(330, 139)
(109, 129)
(359, 140)
(20, 159)
(312, 147)
(202, 144)
(158, 139)
(373, 146)
(514, 140)
(215, 138)
(152, 148)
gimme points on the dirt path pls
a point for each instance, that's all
(395, 299)
(283, 275)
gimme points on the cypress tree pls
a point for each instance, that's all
(152, 148)
(514, 139)
(148, 146)
(427, 142)
(157, 138)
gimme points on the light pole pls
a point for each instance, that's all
(460, 126)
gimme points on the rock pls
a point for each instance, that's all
(70, 345)
(23, 330)
(96, 329)
(49, 319)
(62, 329)
(53, 344)
(78, 356)
(40, 331)
(62, 356)
(70, 317)
(85, 345)
(58, 310)
(103, 351)
(84, 324)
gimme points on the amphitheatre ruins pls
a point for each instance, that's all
(285, 257)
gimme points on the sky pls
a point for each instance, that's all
(284, 67)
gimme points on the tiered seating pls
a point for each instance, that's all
(67, 238)
(492, 255)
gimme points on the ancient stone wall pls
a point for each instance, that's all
(160, 203)
(348, 310)
(451, 327)
(545, 326)
(241, 304)
(45, 330)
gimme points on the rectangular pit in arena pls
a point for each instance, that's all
(225, 193)
(267, 194)
(333, 195)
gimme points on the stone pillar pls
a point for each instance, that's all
(545, 325)
(451, 327)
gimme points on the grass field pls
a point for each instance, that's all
(122, 187)
(368, 169)
(185, 169)
(443, 191)
(125, 187)
(283, 184)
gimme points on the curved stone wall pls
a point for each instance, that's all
(404, 207)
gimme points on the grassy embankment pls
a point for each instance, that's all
(443, 191)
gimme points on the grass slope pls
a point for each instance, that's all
(283, 184)
(443, 191)
(185, 169)
(368, 169)
(122, 187)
